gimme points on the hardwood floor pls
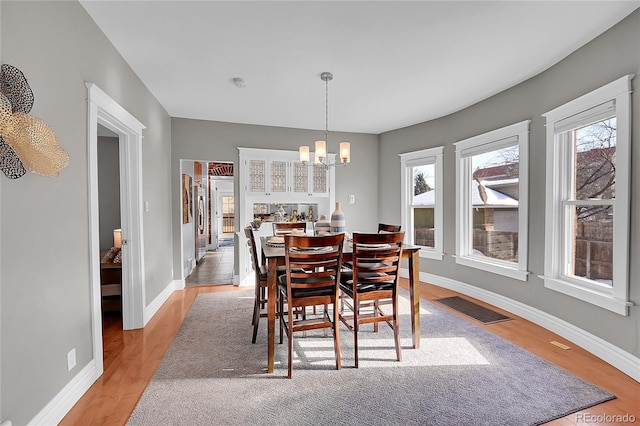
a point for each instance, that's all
(131, 357)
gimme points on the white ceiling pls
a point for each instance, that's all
(394, 63)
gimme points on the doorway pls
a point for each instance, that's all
(104, 111)
(226, 217)
(216, 212)
(110, 233)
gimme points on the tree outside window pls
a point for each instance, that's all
(594, 155)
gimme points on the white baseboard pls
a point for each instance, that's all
(179, 284)
(62, 403)
(620, 359)
(155, 305)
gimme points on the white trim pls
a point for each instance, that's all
(407, 161)
(617, 357)
(430, 253)
(602, 299)
(492, 265)
(179, 284)
(63, 402)
(157, 303)
(616, 298)
(616, 88)
(516, 134)
(105, 111)
(500, 134)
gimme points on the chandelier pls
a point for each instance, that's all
(320, 154)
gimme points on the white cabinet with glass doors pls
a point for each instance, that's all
(280, 175)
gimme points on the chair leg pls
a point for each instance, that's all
(256, 301)
(290, 336)
(256, 316)
(356, 308)
(280, 302)
(396, 333)
(263, 296)
(325, 313)
(396, 328)
(256, 320)
(376, 310)
(336, 335)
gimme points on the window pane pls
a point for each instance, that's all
(495, 194)
(594, 160)
(227, 214)
(592, 243)
(300, 177)
(424, 195)
(424, 183)
(278, 176)
(423, 226)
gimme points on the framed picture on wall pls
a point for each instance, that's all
(187, 215)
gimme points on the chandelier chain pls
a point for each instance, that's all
(326, 111)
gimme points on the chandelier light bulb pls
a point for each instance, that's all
(304, 153)
(345, 152)
(321, 151)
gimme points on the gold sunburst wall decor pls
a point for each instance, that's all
(26, 142)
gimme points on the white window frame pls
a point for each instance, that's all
(614, 298)
(408, 161)
(515, 134)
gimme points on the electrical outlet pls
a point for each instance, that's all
(352, 199)
(71, 359)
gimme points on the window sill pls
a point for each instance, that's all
(431, 254)
(598, 298)
(496, 268)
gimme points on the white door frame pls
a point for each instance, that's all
(211, 211)
(105, 111)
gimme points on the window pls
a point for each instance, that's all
(492, 191)
(422, 200)
(587, 206)
(227, 214)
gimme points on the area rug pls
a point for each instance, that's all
(473, 310)
(462, 375)
(225, 243)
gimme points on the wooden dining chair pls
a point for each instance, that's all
(312, 279)
(283, 228)
(372, 283)
(260, 271)
(383, 227)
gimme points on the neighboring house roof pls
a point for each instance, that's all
(494, 198)
(502, 171)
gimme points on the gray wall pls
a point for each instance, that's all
(44, 268)
(210, 140)
(610, 56)
(109, 189)
(44, 263)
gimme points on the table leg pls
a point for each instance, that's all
(271, 312)
(414, 291)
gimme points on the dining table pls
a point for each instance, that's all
(274, 256)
